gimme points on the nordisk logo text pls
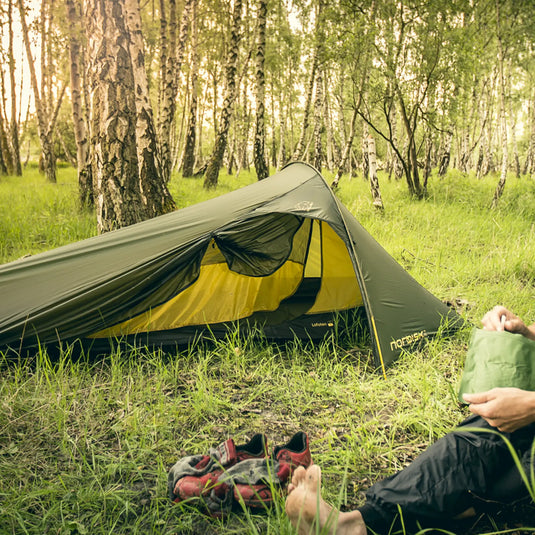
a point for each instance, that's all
(407, 340)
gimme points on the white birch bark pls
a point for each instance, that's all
(44, 127)
(503, 118)
(113, 117)
(85, 182)
(374, 181)
(153, 189)
(261, 167)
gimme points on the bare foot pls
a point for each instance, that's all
(307, 510)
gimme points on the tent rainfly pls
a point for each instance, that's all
(282, 255)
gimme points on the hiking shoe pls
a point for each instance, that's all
(296, 452)
(254, 481)
(196, 476)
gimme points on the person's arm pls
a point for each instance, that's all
(493, 321)
(507, 409)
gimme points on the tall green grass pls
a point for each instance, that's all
(85, 443)
(37, 215)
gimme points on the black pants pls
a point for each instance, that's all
(449, 476)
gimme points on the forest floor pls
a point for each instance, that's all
(86, 442)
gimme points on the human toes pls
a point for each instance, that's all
(312, 479)
(298, 478)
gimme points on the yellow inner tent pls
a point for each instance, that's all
(220, 294)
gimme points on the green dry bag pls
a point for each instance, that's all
(498, 359)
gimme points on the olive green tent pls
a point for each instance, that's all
(282, 255)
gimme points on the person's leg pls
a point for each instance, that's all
(440, 484)
(308, 511)
(437, 487)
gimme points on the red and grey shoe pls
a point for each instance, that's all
(197, 476)
(255, 481)
(296, 452)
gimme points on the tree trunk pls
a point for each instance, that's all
(397, 163)
(503, 119)
(529, 164)
(171, 59)
(327, 121)
(85, 181)
(214, 164)
(481, 155)
(15, 156)
(317, 158)
(6, 167)
(342, 166)
(274, 153)
(516, 158)
(167, 104)
(261, 167)
(484, 163)
(45, 129)
(300, 148)
(188, 163)
(365, 154)
(281, 158)
(445, 154)
(374, 181)
(243, 161)
(155, 194)
(428, 159)
(113, 117)
(411, 162)
(230, 155)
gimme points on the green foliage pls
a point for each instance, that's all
(85, 443)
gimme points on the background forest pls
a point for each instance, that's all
(130, 91)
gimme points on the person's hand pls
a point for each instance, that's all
(507, 409)
(501, 319)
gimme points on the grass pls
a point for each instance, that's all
(85, 444)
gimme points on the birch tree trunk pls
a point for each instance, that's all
(261, 167)
(188, 162)
(301, 143)
(503, 119)
(15, 146)
(281, 158)
(274, 150)
(216, 160)
(317, 158)
(245, 126)
(428, 158)
(6, 167)
(113, 117)
(342, 166)
(484, 163)
(154, 192)
(529, 163)
(411, 162)
(396, 163)
(167, 104)
(171, 59)
(85, 180)
(328, 127)
(365, 153)
(374, 181)
(516, 158)
(445, 154)
(44, 127)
